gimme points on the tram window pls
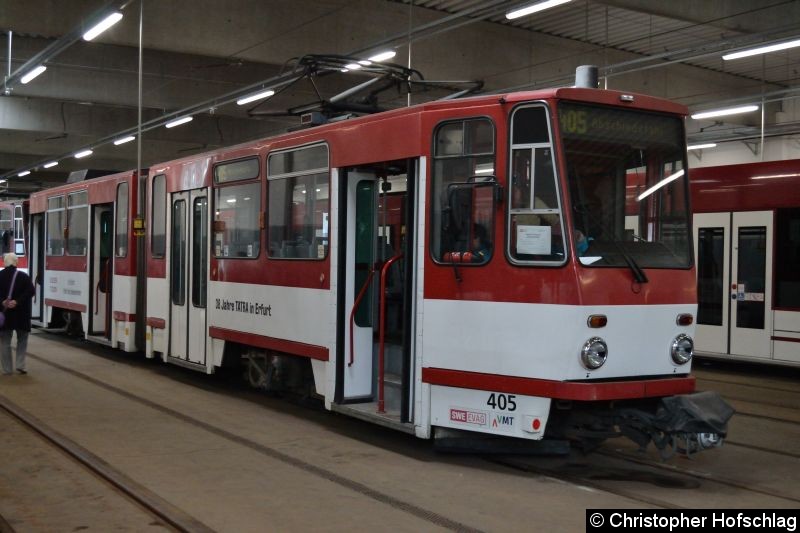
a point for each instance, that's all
(6, 230)
(55, 226)
(463, 203)
(178, 253)
(787, 258)
(158, 216)
(710, 290)
(19, 231)
(237, 232)
(77, 223)
(199, 251)
(121, 238)
(244, 169)
(299, 203)
(536, 229)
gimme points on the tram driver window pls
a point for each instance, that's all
(463, 192)
(299, 203)
(536, 231)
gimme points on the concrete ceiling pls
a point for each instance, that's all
(195, 52)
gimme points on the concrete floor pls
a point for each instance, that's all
(246, 462)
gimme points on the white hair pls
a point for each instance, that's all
(10, 259)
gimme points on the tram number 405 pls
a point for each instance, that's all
(503, 402)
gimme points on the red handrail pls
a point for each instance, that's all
(353, 312)
(381, 330)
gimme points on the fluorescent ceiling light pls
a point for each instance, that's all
(762, 50)
(51, 164)
(24, 173)
(32, 74)
(256, 96)
(124, 140)
(383, 56)
(3, 181)
(365, 62)
(725, 112)
(178, 122)
(534, 8)
(102, 26)
(84, 153)
(660, 184)
(352, 66)
(700, 146)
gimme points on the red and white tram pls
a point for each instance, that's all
(747, 244)
(458, 265)
(86, 274)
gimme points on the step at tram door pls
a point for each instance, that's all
(734, 283)
(188, 272)
(375, 266)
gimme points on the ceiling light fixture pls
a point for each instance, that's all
(700, 146)
(51, 164)
(102, 26)
(124, 140)
(24, 173)
(178, 122)
(352, 66)
(83, 153)
(725, 112)
(256, 96)
(32, 74)
(383, 56)
(534, 8)
(762, 50)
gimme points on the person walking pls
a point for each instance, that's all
(17, 291)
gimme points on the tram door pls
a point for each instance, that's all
(36, 266)
(734, 278)
(102, 270)
(188, 276)
(378, 235)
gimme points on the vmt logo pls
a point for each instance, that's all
(503, 420)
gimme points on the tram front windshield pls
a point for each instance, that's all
(628, 189)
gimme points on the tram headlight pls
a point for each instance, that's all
(682, 349)
(594, 353)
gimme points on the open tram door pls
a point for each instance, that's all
(36, 267)
(188, 273)
(734, 281)
(101, 262)
(376, 264)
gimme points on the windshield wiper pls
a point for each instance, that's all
(638, 274)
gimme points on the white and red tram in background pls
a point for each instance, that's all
(424, 268)
(747, 245)
(13, 214)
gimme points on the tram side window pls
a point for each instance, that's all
(158, 217)
(536, 229)
(55, 226)
(19, 231)
(121, 238)
(463, 200)
(6, 231)
(299, 203)
(787, 258)
(77, 223)
(237, 232)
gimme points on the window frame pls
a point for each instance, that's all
(21, 227)
(260, 212)
(326, 171)
(62, 210)
(532, 147)
(68, 218)
(164, 197)
(463, 120)
(116, 219)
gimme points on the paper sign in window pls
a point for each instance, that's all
(534, 240)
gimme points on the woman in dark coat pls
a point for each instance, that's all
(17, 310)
